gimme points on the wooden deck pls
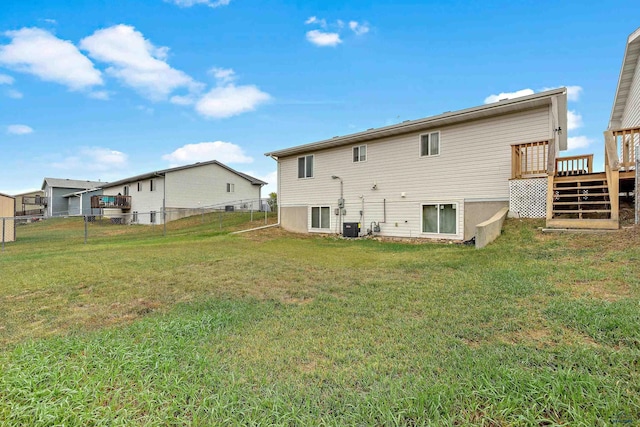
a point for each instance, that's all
(578, 196)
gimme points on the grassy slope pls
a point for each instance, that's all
(206, 328)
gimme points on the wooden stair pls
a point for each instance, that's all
(581, 201)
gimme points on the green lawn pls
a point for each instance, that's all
(267, 328)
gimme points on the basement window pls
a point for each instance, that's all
(440, 218)
(430, 144)
(305, 166)
(320, 217)
(152, 217)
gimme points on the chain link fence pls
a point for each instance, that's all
(103, 223)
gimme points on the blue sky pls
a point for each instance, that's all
(106, 89)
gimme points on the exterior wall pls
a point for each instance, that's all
(74, 205)
(7, 211)
(207, 186)
(294, 219)
(631, 115)
(478, 212)
(395, 181)
(191, 188)
(143, 201)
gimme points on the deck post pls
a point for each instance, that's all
(549, 197)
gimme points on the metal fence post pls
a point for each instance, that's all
(3, 221)
(220, 217)
(86, 228)
(164, 218)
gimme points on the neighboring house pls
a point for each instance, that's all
(181, 190)
(436, 177)
(79, 202)
(57, 191)
(31, 203)
(7, 221)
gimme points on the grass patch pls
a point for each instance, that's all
(274, 329)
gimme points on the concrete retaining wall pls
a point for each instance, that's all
(489, 230)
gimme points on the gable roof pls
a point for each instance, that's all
(627, 72)
(163, 172)
(71, 183)
(445, 119)
(6, 195)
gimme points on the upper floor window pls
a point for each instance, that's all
(360, 153)
(126, 190)
(430, 144)
(152, 185)
(139, 186)
(305, 166)
(231, 187)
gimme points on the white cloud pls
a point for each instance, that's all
(271, 179)
(6, 80)
(314, 20)
(50, 21)
(574, 142)
(358, 28)
(95, 159)
(221, 151)
(189, 3)
(102, 95)
(223, 75)
(573, 93)
(183, 100)
(230, 100)
(321, 38)
(507, 95)
(19, 129)
(574, 120)
(136, 62)
(15, 94)
(38, 52)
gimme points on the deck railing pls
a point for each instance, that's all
(108, 202)
(626, 143)
(34, 200)
(529, 160)
(574, 165)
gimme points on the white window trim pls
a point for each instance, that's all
(305, 166)
(359, 147)
(231, 187)
(420, 144)
(312, 229)
(440, 235)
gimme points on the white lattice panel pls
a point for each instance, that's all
(528, 197)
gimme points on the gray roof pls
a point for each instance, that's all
(71, 183)
(6, 195)
(627, 72)
(254, 181)
(448, 118)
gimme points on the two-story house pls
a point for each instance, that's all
(436, 177)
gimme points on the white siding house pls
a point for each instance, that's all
(430, 178)
(626, 106)
(181, 190)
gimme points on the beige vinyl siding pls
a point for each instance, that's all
(143, 201)
(207, 185)
(7, 211)
(631, 115)
(474, 162)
